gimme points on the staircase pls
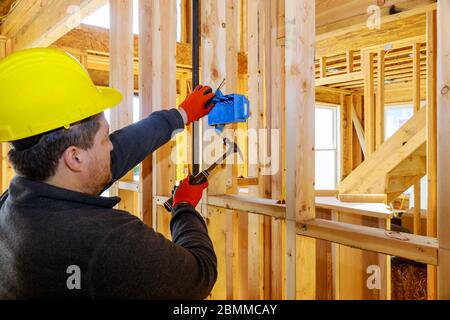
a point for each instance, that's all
(394, 167)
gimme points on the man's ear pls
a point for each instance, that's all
(73, 158)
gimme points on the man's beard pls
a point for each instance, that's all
(101, 177)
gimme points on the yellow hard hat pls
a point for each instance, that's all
(44, 89)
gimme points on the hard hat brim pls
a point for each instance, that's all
(110, 97)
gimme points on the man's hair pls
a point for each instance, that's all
(36, 158)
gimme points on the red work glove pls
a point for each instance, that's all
(189, 193)
(198, 103)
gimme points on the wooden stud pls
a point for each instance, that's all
(121, 76)
(342, 139)
(348, 138)
(443, 144)
(232, 228)
(379, 114)
(357, 112)
(276, 108)
(218, 64)
(431, 145)
(369, 102)
(350, 61)
(359, 130)
(256, 70)
(300, 109)
(163, 94)
(323, 67)
(416, 108)
(146, 105)
(32, 26)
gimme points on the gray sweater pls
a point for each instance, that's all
(50, 237)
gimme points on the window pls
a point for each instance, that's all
(327, 160)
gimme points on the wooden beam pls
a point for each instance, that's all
(266, 207)
(323, 67)
(431, 145)
(277, 117)
(379, 114)
(360, 22)
(443, 143)
(409, 246)
(359, 130)
(145, 56)
(121, 72)
(163, 83)
(273, 208)
(215, 64)
(350, 61)
(358, 198)
(416, 108)
(45, 26)
(375, 210)
(369, 102)
(300, 108)
(346, 128)
(95, 40)
(339, 79)
(232, 224)
(244, 182)
(256, 16)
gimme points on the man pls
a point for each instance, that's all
(58, 238)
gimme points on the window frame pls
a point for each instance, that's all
(336, 138)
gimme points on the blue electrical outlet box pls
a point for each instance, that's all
(232, 108)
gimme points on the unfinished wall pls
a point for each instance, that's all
(281, 242)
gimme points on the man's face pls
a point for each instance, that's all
(99, 172)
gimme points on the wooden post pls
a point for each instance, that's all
(121, 71)
(277, 118)
(232, 226)
(443, 147)
(146, 105)
(300, 109)
(256, 69)
(379, 114)
(358, 149)
(369, 102)
(164, 33)
(431, 145)
(323, 67)
(350, 60)
(416, 108)
(216, 66)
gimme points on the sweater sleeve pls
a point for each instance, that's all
(135, 142)
(135, 262)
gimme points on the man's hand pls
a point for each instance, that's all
(187, 193)
(198, 103)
